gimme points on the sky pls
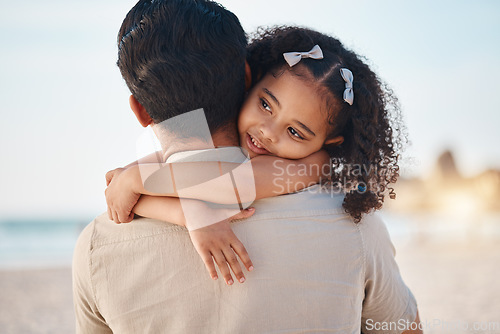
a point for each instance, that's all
(66, 121)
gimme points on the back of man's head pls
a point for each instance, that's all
(180, 55)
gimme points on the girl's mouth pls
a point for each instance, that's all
(255, 146)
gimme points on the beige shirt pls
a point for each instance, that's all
(315, 272)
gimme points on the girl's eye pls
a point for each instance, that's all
(265, 105)
(294, 133)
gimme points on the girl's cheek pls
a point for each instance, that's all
(255, 115)
(244, 116)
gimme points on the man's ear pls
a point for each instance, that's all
(335, 141)
(248, 76)
(140, 112)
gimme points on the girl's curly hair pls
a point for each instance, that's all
(366, 163)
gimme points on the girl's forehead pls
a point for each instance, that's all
(290, 78)
(300, 99)
(302, 86)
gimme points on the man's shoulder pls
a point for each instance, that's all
(313, 200)
(376, 238)
(373, 227)
(103, 231)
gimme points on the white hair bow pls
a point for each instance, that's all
(293, 58)
(348, 78)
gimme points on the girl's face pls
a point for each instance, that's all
(284, 117)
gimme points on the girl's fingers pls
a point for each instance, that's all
(220, 259)
(120, 216)
(109, 177)
(110, 216)
(209, 264)
(124, 217)
(243, 254)
(243, 214)
(115, 216)
(234, 264)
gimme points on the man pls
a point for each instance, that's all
(315, 270)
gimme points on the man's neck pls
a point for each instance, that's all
(225, 136)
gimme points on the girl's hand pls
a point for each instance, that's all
(218, 242)
(120, 196)
(113, 173)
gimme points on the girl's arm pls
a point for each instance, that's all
(161, 208)
(155, 157)
(215, 181)
(276, 176)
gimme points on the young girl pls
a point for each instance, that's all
(313, 100)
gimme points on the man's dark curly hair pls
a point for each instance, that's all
(366, 163)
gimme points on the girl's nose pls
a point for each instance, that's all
(268, 132)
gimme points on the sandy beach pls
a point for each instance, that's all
(455, 283)
(36, 301)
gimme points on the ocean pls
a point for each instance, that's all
(30, 244)
(38, 243)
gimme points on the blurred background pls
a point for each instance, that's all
(66, 121)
